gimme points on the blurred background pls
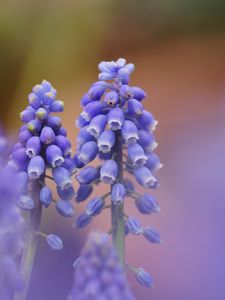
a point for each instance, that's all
(178, 48)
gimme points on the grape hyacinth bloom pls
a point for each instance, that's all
(33, 146)
(147, 204)
(46, 196)
(106, 141)
(144, 177)
(65, 208)
(136, 154)
(42, 152)
(54, 242)
(152, 235)
(83, 220)
(88, 152)
(129, 132)
(95, 206)
(134, 226)
(97, 125)
(98, 273)
(118, 193)
(116, 132)
(83, 192)
(109, 171)
(62, 177)
(143, 277)
(87, 175)
(44, 146)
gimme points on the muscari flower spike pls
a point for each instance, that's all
(117, 131)
(42, 152)
(43, 147)
(98, 273)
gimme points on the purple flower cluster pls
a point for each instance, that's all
(11, 233)
(43, 145)
(115, 127)
(98, 274)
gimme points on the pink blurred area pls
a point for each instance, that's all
(183, 73)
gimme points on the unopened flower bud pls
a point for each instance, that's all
(134, 226)
(62, 177)
(144, 278)
(46, 196)
(47, 135)
(54, 242)
(94, 206)
(65, 208)
(118, 193)
(83, 220)
(152, 235)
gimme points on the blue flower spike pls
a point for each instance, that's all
(43, 153)
(116, 137)
(43, 145)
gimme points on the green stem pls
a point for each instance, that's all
(31, 242)
(117, 211)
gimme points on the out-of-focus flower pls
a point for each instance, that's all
(98, 273)
(5, 146)
(11, 231)
(26, 202)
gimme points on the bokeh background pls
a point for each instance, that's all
(178, 48)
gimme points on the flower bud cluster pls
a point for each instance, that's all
(43, 146)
